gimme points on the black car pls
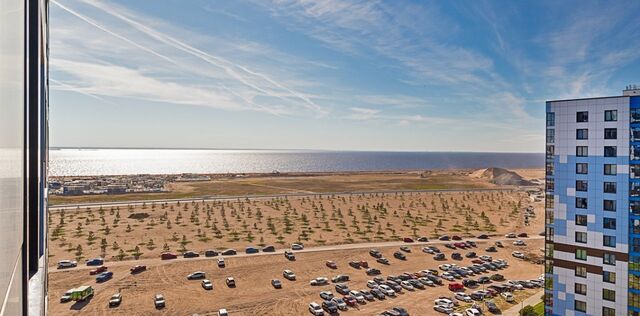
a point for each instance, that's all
(484, 280)
(417, 284)
(375, 253)
(472, 243)
(456, 256)
(470, 254)
(191, 254)
(382, 260)
(401, 311)
(391, 313)
(367, 295)
(269, 249)
(373, 271)
(469, 283)
(378, 280)
(342, 289)
(378, 294)
(434, 279)
(210, 253)
(423, 239)
(444, 238)
(229, 252)
(491, 249)
(330, 307)
(439, 256)
(399, 255)
(483, 236)
(450, 246)
(492, 307)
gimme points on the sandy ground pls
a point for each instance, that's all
(81, 233)
(254, 294)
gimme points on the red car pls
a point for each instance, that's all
(460, 245)
(407, 239)
(478, 261)
(331, 264)
(138, 269)
(456, 287)
(350, 300)
(455, 237)
(364, 264)
(523, 235)
(98, 270)
(168, 256)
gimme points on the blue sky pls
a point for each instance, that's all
(344, 75)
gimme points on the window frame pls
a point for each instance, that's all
(610, 115)
(582, 133)
(582, 116)
(610, 133)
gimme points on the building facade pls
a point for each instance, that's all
(23, 156)
(593, 206)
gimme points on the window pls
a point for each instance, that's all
(635, 152)
(582, 168)
(549, 185)
(582, 151)
(551, 119)
(581, 220)
(609, 277)
(635, 134)
(608, 241)
(610, 169)
(580, 306)
(581, 271)
(609, 187)
(610, 133)
(609, 223)
(634, 188)
(581, 237)
(580, 288)
(581, 133)
(609, 205)
(609, 295)
(634, 171)
(582, 117)
(581, 254)
(609, 258)
(634, 207)
(581, 202)
(550, 168)
(608, 311)
(551, 135)
(609, 115)
(581, 185)
(635, 115)
(610, 151)
(550, 151)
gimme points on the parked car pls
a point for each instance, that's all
(484, 280)
(377, 293)
(405, 249)
(66, 297)
(95, 262)
(375, 253)
(462, 245)
(210, 253)
(339, 303)
(510, 235)
(358, 296)
(399, 255)
(373, 271)
(159, 301)
(519, 242)
(492, 307)
(354, 264)
(499, 244)
(439, 256)
(196, 275)
(456, 256)
(115, 300)
(463, 297)
(297, 246)
(137, 269)
(450, 246)
(330, 307)
(497, 277)
(289, 275)
(456, 287)
(289, 255)
(423, 239)
(230, 281)
(367, 295)
(206, 284)
(483, 236)
(491, 249)
(523, 235)
(319, 281)
(443, 309)
(472, 312)
(168, 256)
(276, 283)
(64, 264)
(469, 283)
(507, 296)
(518, 254)
(342, 288)
(407, 239)
(315, 309)
(221, 263)
(269, 249)
(331, 264)
(326, 295)
(444, 238)
(340, 278)
(382, 260)
(229, 252)
(223, 312)
(387, 290)
(250, 250)
(456, 237)
(104, 276)
(350, 300)
(98, 270)
(190, 254)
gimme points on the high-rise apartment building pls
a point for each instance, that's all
(593, 206)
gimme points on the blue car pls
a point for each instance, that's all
(95, 262)
(252, 250)
(104, 276)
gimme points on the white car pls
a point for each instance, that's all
(456, 314)
(462, 297)
(340, 303)
(486, 258)
(426, 281)
(406, 285)
(444, 302)
(388, 291)
(319, 281)
(428, 250)
(472, 312)
(223, 312)
(516, 285)
(221, 263)
(206, 284)
(297, 247)
(447, 276)
(519, 243)
(443, 309)
(444, 267)
(507, 296)
(372, 284)
(510, 235)
(315, 309)
(67, 264)
(357, 295)
(289, 275)
(518, 254)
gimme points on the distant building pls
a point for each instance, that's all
(592, 204)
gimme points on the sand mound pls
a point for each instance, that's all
(500, 176)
